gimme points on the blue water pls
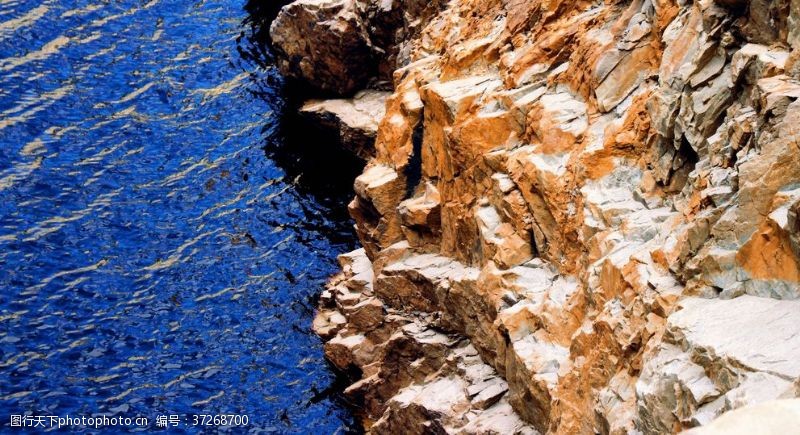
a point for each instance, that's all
(160, 245)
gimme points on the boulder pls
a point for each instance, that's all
(325, 44)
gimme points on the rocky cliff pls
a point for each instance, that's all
(577, 216)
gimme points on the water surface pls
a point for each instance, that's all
(154, 259)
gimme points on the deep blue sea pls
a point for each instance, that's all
(163, 233)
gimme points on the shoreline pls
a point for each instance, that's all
(576, 218)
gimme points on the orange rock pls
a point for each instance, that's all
(552, 181)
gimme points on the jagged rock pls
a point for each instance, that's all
(378, 191)
(393, 25)
(713, 360)
(421, 217)
(339, 46)
(355, 119)
(416, 379)
(328, 323)
(629, 70)
(753, 62)
(558, 120)
(594, 202)
(324, 43)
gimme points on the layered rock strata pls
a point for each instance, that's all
(579, 217)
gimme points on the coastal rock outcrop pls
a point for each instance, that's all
(324, 43)
(415, 378)
(593, 205)
(337, 46)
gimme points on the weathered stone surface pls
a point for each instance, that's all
(324, 43)
(378, 192)
(596, 200)
(416, 379)
(340, 46)
(714, 358)
(753, 62)
(393, 26)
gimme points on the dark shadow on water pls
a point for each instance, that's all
(260, 15)
(310, 156)
(312, 159)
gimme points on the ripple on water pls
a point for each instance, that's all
(153, 258)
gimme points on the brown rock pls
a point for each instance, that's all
(580, 215)
(324, 43)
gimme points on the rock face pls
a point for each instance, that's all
(323, 43)
(580, 217)
(416, 379)
(336, 46)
